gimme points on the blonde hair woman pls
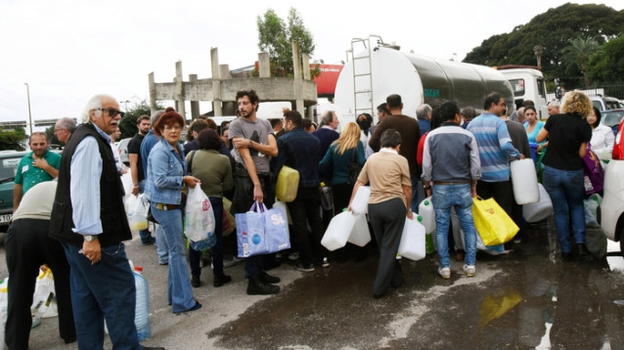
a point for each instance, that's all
(563, 178)
(342, 164)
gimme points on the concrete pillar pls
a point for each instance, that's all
(224, 71)
(305, 58)
(180, 90)
(297, 81)
(152, 92)
(216, 82)
(264, 65)
(194, 104)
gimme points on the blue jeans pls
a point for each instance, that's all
(444, 198)
(162, 249)
(103, 291)
(566, 189)
(179, 288)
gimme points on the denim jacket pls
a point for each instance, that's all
(165, 169)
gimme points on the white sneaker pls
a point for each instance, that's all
(470, 270)
(444, 272)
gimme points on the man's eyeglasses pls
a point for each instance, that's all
(111, 111)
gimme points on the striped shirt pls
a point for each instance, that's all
(495, 147)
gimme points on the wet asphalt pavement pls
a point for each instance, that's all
(518, 301)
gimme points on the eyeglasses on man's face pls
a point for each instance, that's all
(111, 111)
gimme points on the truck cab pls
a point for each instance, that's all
(527, 84)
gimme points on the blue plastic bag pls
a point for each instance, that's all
(250, 235)
(276, 229)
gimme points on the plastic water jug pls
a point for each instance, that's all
(338, 231)
(539, 210)
(524, 180)
(359, 205)
(141, 317)
(360, 235)
(412, 244)
(287, 184)
(425, 209)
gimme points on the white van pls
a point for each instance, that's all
(528, 84)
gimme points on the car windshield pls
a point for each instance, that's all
(611, 104)
(612, 118)
(8, 167)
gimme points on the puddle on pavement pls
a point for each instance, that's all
(532, 304)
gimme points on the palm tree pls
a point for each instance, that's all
(577, 54)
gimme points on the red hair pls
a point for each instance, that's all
(169, 118)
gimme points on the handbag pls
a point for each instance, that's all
(327, 197)
(493, 224)
(593, 173)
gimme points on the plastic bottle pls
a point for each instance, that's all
(141, 317)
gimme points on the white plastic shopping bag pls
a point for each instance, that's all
(199, 220)
(4, 301)
(138, 207)
(44, 299)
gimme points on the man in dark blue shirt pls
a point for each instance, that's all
(300, 151)
(423, 113)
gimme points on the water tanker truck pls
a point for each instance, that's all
(380, 70)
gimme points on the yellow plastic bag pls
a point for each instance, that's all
(492, 222)
(287, 184)
(493, 307)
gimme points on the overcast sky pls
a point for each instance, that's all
(69, 50)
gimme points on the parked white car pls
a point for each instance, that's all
(612, 206)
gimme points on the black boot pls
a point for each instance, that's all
(582, 254)
(221, 280)
(266, 278)
(256, 287)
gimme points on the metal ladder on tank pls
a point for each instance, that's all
(359, 87)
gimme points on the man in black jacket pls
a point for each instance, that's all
(89, 220)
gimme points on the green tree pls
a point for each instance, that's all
(12, 139)
(553, 30)
(52, 137)
(607, 65)
(576, 55)
(275, 36)
(127, 125)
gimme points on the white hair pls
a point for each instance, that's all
(423, 111)
(554, 103)
(94, 103)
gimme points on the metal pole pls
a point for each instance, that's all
(30, 122)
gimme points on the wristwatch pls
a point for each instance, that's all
(89, 238)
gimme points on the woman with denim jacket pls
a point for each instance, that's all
(165, 177)
(563, 177)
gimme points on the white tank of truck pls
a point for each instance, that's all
(376, 72)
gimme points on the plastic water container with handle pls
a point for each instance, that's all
(425, 209)
(339, 230)
(360, 235)
(287, 184)
(359, 205)
(524, 181)
(412, 244)
(540, 210)
(141, 317)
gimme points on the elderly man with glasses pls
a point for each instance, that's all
(89, 220)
